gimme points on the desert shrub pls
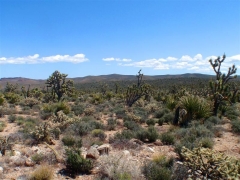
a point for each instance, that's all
(89, 111)
(2, 126)
(12, 98)
(232, 112)
(78, 109)
(213, 119)
(123, 144)
(120, 112)
(159, 113)
(30, 102)
(27, 124)
(151, 108)
(111, 124)
(131, 125)
(37, 158)
(76, 162)
(161, 121)
(167, 138)
(1, 100)
(206, 142)
(124, 135)
(99, 133)
(191, 136)
(168, 118)
(43, 172)
(158, 169)
(151, 122)
(119, 167)
(236, 126)
(84, 126)
(49, 109)
(171, 103)
(61, 106)
(56, 132)
(12, 118)
(150, 134)
(68, 140)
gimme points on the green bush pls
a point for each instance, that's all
(12, 118)
(206, 142)
(78, 109)
(154, 171)
(161, 112)
(76, 163)
(99, 133)
(151, 122)
(132, 125)
(152, 134)
(167, 138)
(69, 140)
(111, 124)
(2, 126)
(12, 98)
(37, 157)
(236, 126)
(168, 118)
(121, 136)
(213, 119)
(161, 121)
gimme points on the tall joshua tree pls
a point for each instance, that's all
(136, 91)
(220, 89)
(59, 85)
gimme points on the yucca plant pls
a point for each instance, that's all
(196, 108)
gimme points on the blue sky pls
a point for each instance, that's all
(91, 37)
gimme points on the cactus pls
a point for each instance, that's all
(59, 85)
(211, 164)
(5, 144)
(136, 91)
(42, 133)
(220, 89)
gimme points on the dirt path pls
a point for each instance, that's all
(229, 143)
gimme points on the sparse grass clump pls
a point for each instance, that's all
(167, 138)
(43, 172)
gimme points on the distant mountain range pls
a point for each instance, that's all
(100, 78)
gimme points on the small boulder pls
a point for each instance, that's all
(29, 162)
(103, 149)
(92, 153)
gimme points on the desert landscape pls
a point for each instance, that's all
(180, 127)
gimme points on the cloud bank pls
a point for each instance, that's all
(196, 63)
(117, 59)
(78, 58)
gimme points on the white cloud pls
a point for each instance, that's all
(108, 59)
(171, 59)
(150, 63)
(194, 64)
(78, 58)
(116, 59)
(186, 58)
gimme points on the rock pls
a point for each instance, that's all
(22, 177)
(103, 149)
(17, 153)
(29, 162)
(18, 160)
(1, 170)
(150, 149)
(126, 153)
(92, 153)
(137, 141)
(158, 143)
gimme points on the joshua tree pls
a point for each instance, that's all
(136, 91)
(59, 85)
(220, 89)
